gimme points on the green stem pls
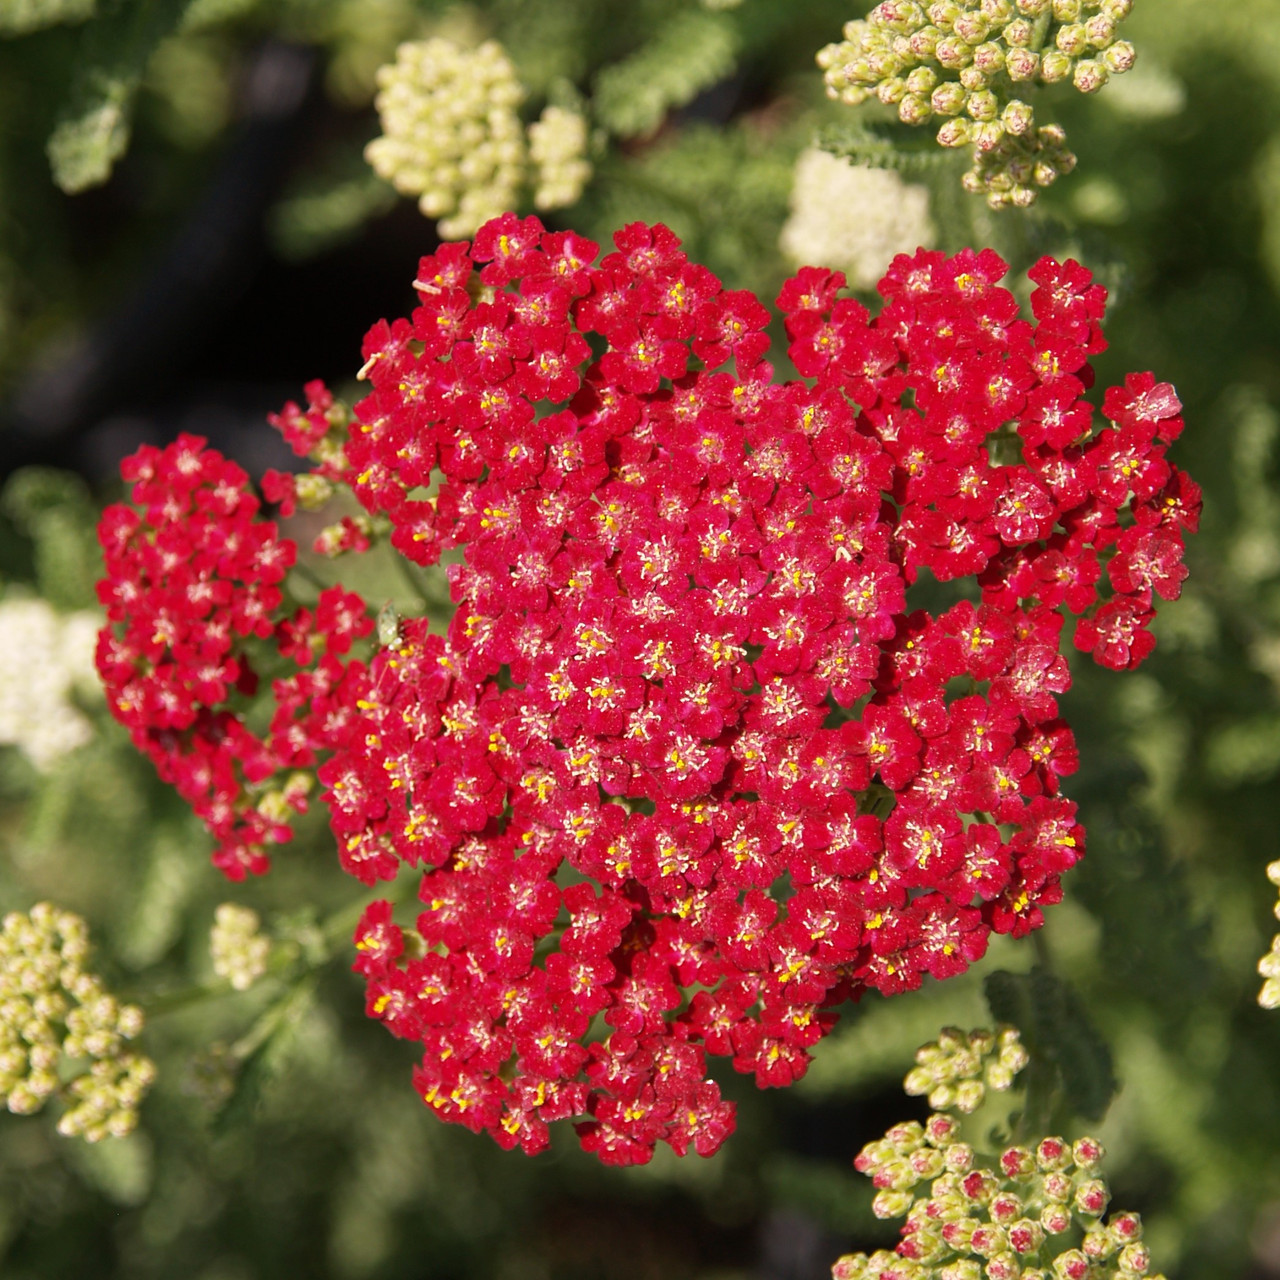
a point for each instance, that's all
(1040, 31)
(406, 571)
(308, 574)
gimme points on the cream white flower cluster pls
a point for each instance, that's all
(452, 136)
(239, 950)
(958, 1068)
(853, 218)
(62, 1032)
(961, 61)
(1031, 1212)
(44, 656)
(558, 147)
(1269, 965)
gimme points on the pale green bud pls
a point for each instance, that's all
(971, 28)
(1022, 64)
(1100, 30)
(989, 58)
(891, 1203)
(949, 99)
(1017, 118)
(1119, 57)
(1090, 75)
(1072, 39)
(1055, 66)
(953, 53)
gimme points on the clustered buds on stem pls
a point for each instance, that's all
(1032, 1212)
(687, 770)
(963, 61)
(452, 136)
(62, 1033)
(1269, 965)
(239, 950)
(957, 1070)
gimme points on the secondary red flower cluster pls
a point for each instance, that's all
(685, 764)
(188, 581)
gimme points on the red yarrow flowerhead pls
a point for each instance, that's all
(683, 671)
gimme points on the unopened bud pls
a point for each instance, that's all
(1087, 1152)
(1055, 66)
(892, 90)
(948, 99)
(1090, 75)
(989, 58)
(1005, 1208)
(1100, 30)
(852, 1266)
(914, 109)
(1119, 57)
(1098, 1245)
(961, 1269)
(971, 28)
(891, 1204)
(1026, 1236)
(1022, 64)
(1134, 1260)
(1017, 1162)
(1019, 33)
(312, 491)
(1091, 1197)
(1003, 1266)
(953, 53)
(941, 1130)
(922, 80)
(1066, 10)
(905, 1138)
(1055, 1219)
(1071, 1265)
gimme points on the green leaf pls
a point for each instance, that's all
(690, 54)
(93, 129)
(18, 17)
(883, 148)
(263, 1053)
(1057, 1030)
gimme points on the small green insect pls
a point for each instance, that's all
(389, 626)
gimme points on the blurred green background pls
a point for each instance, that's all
(239, 247)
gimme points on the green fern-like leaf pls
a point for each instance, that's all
(690, 54)
(879, 148)
(93, 129)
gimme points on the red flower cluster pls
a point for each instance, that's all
(685, 762)
(187, 581)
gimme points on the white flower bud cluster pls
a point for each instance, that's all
(1269, 965)
(957, 1069)
(44, 656)
(558, 147)
(1023, 1213)
(239, 950)
(961, 61)
(451, 136)
(853, 218)
(53, 1016)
